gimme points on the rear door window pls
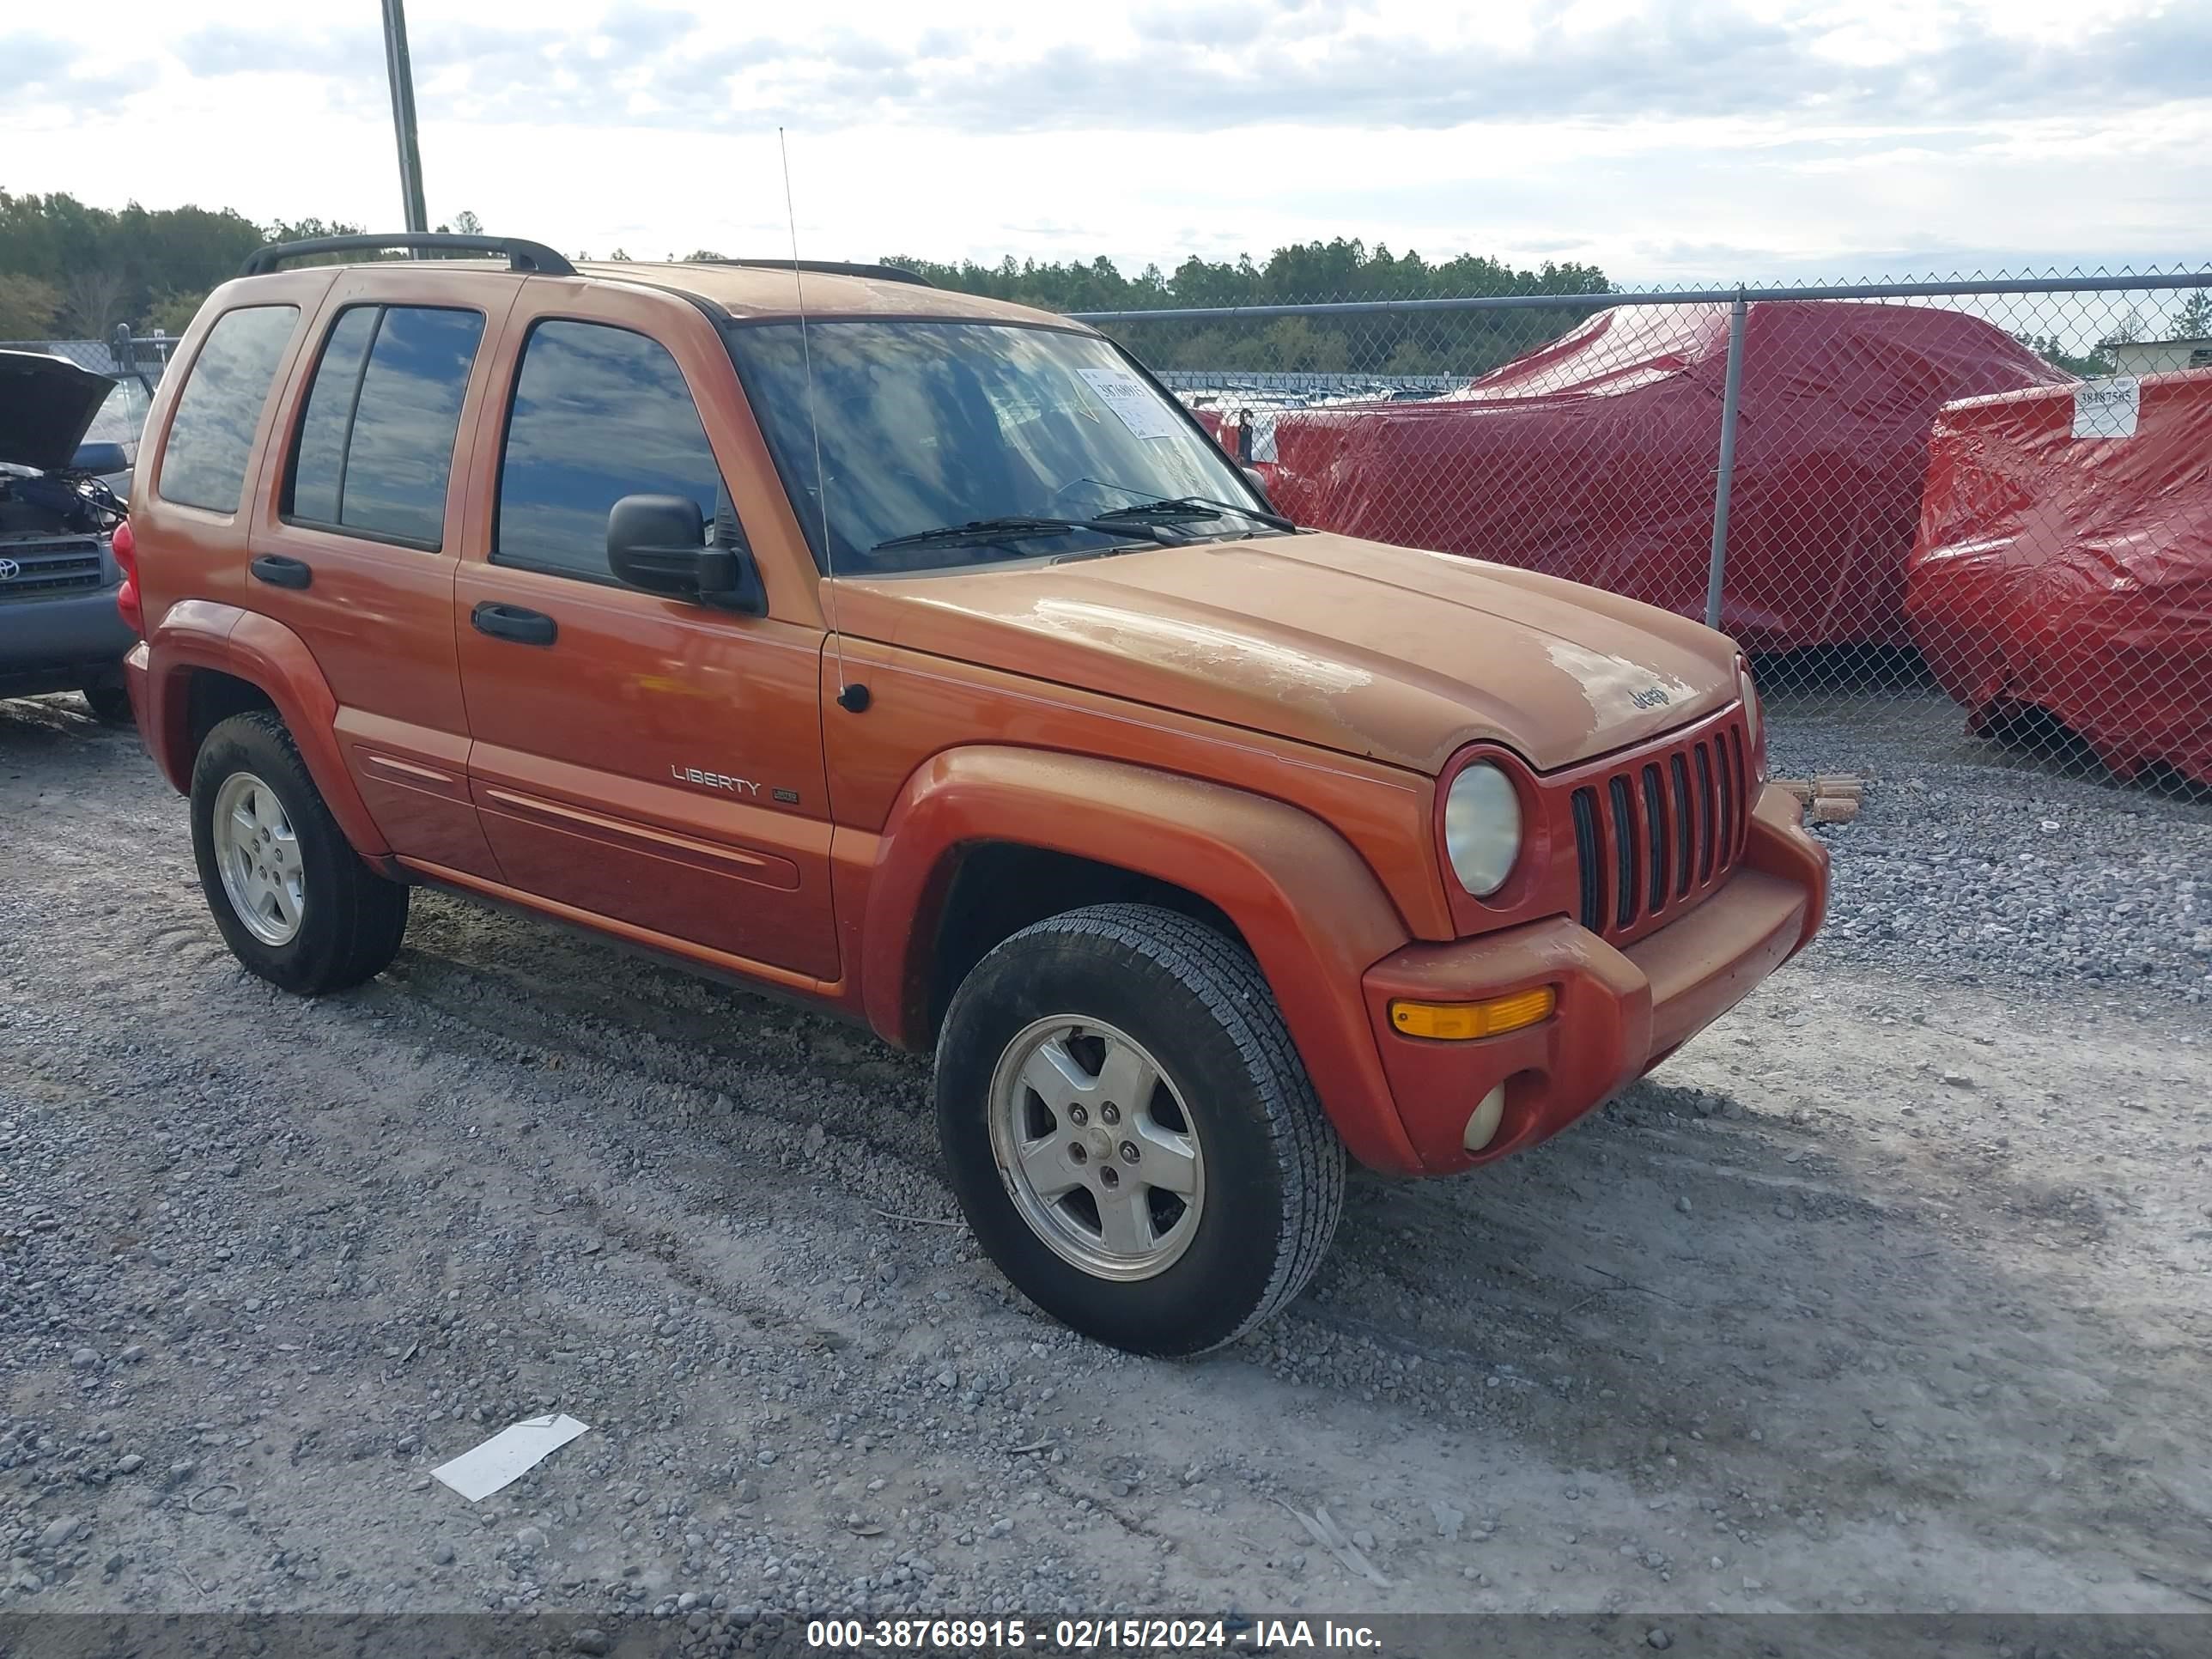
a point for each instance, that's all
(375, 449)
(320, 454)
(599, 413)
(211, 434)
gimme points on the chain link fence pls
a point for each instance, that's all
(141, 357)
(1963, 520)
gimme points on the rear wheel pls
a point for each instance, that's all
(1130, 1132)
(293, 900)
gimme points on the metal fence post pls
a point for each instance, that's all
(1732, 389)
(402, 75)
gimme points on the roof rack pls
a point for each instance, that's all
(827, 268)
(521, 255)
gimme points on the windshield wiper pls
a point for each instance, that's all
(1011, 528)
(1182, 509)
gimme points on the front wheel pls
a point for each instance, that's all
(1130, 1132)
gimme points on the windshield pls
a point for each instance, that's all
(926, 425)
(121, 418)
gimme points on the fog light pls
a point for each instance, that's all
(1482, 1127)
(1462, 1022)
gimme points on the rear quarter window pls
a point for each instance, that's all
(376, 448)
(211, 434)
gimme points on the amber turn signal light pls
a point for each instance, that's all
(1462, 1022)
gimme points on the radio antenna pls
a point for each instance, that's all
(850, 698)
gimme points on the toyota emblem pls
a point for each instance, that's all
(10, 570)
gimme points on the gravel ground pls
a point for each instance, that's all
(1975, 865)
(1888, 1293)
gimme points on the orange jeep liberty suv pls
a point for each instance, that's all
(917, 655)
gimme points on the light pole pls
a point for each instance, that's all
(403, 112)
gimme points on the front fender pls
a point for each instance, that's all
(200, 634)
(1311, 911)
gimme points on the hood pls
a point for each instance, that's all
(46, 406)
(1384, 651)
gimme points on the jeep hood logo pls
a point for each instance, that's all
(1650, 696)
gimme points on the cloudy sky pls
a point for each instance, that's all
(1662, 139)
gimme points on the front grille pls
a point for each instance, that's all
(1586, 856)
(1658, 831)
(46, 566)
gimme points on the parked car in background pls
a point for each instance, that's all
(916, 655)
(2063, 570)
(120, 421)
(60, 629)
(1593, 458)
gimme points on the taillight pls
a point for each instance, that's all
(126, 560)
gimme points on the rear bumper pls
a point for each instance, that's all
(1619, 1011)
(61, 644)
(138, 681)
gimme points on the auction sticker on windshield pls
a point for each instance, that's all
(1139, 406)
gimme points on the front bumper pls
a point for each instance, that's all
(1620, 1012)
(62, 644)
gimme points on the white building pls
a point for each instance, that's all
(2154, 356)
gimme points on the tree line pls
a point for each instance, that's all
(71, 270)
(1344, 268)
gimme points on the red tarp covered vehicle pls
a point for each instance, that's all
(1594, 459)
(2074, 574)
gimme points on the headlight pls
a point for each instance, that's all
(1753, 731)
(1482, 827)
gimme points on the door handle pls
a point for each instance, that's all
(512, 621)
(280, 572)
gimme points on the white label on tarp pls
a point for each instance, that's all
(2107, 409)
(1140, 407)
(1263, 435)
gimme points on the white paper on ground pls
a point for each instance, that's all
(2107, 408)
(1137, 404)
(515, 1450)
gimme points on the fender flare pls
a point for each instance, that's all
(201, 634)
(1311, 911)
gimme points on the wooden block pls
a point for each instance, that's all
(1801, 787)
(1844, 783)
(1834, 809)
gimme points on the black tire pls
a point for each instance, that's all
(351, 924)
(1273, 1167)
(110, 704)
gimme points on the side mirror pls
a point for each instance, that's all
(658, 543)
(100, 459)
